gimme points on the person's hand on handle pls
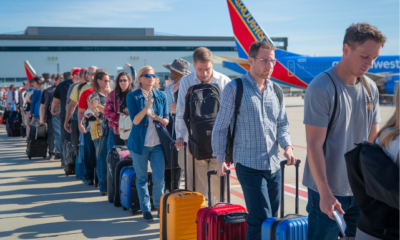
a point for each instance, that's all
(53, 112)
(179, 143)
(291, 159)
(328, 203)
(221, 167)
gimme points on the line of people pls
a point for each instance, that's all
(341, 109)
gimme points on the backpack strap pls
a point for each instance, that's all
(80, 88)
(334, 110)
(366, 85)
(238, 102)
(278, 92)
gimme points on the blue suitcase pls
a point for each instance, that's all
(129, 196)
(290, 227)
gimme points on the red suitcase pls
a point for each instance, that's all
(223, 221)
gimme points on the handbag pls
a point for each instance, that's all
(95, 129)
(125, 127)
(166, 142)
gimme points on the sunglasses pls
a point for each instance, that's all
(148, 75)
(123, 81)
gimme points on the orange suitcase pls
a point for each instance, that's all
(178, 211)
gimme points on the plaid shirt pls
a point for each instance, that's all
(261, 124)
(170, 95)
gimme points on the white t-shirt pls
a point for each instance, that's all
(393, 150)
(152, 139)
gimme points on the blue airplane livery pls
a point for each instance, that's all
(293, 69)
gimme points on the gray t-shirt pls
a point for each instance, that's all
(352, 124)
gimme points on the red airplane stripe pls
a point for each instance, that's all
(282, 74)
(240, 29)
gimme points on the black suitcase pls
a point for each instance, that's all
(117, 176)
(36, 147)
(113, 157)
(70, 158)
(13, 126)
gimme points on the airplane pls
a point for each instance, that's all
(30, 72)
(291, 69)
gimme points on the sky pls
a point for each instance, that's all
(314, 27)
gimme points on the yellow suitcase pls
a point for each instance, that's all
(178, 212)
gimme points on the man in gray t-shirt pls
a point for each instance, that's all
(356, 120)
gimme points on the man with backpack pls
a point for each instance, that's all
(213, 83)
(341, 108)
(261, 124)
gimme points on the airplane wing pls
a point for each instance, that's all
(380, 78)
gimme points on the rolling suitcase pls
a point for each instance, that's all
(178, 211)
(117, 178)
(116, 154)
(128, 191)
(13, 126)
(223, 221)
(292, 226)
(37, 147)
(70, 158)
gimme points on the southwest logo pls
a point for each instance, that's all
(250, 21)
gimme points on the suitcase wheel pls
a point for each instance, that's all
(124, 208)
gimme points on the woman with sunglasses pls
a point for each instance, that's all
(146, 105)
(101, 87)
(116, 105)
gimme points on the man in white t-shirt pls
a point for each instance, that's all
(204, 73)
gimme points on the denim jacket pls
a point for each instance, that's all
(136, 102)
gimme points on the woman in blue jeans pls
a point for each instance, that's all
(146, 105)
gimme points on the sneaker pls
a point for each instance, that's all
(147, 216)
(52, 157)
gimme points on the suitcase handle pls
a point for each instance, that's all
(283, 163)
(222, 186)
(225, 204)
(173, 167)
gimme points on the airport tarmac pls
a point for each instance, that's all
(38, 201)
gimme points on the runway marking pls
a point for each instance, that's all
(289, 190)
(299, 146)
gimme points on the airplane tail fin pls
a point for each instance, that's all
(245, 28)
(30, 72)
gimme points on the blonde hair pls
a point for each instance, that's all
(140, 72)
(392, 125)
(202, 54)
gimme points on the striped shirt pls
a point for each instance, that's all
(261, 124)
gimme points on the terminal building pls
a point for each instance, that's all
(58, 49)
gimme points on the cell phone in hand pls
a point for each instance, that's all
(340, 222)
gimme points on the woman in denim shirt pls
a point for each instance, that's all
(145, 105)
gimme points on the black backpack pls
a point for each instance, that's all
(202, 104)
(238, 100)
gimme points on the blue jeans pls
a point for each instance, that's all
(110, 140)
(57, 133)
(88, 157)
(321, 227)
(101, 168)
(157, 162)
(262, 192)
(79, 166)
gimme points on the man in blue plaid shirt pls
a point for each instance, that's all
(261, 125)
